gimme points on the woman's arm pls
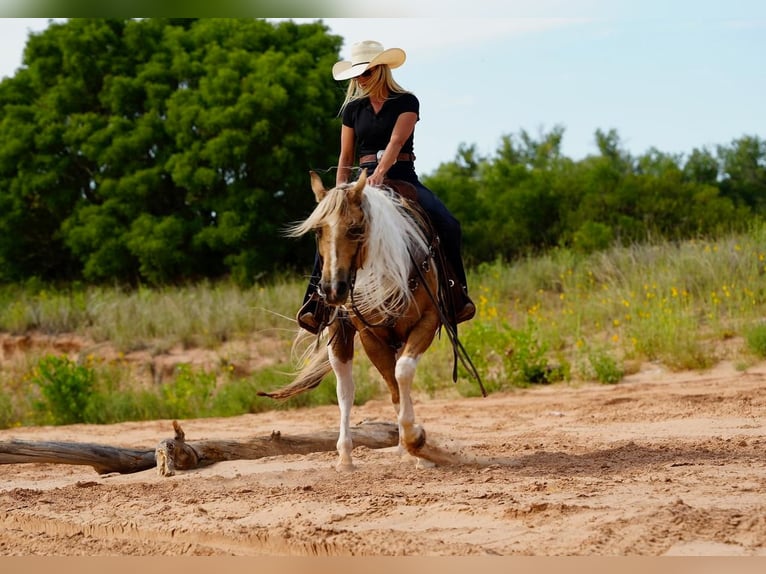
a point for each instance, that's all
(405, 125)
(346, 157)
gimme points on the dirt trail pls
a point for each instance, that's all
(660, 464)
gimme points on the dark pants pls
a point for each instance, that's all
(446, 225)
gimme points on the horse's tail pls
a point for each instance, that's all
(316, 367)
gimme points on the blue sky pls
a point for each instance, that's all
(670, 75)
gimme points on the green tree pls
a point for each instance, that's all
(528, 197)
(161, 150)
(522, 184)
(458, 184)
(743, 168)
(701, 167)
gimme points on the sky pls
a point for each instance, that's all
(670, 75)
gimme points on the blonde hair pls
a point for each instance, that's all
(381, 85)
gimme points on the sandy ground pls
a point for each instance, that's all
(660, 464)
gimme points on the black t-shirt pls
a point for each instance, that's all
(372, 131)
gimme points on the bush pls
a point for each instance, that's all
(66, 390)
(189, 394)
(605, 368)
(6, 411)
(755, 338)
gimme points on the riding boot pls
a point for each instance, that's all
(312, 316)
(468, 309)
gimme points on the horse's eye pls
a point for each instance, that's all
(355, 232)
(318, 232)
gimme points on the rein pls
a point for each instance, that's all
(458, 350)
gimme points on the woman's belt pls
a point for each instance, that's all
(375, 157)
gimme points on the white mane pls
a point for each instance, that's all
(394, 241)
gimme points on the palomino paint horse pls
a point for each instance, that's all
(378, 271)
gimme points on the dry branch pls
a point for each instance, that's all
(177, 454)
(101, 457)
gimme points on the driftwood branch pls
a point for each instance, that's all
(101, 457)
(177, 454)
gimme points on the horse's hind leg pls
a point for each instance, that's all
(341, 354)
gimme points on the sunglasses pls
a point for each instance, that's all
(367, 73)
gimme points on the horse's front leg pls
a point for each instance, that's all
(341, 354)
(412, 436)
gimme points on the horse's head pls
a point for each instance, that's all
(341, 233)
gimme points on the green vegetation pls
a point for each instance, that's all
(561, 317)
(164, 151)
(149, 166)
(686, 305)
(755, 335)
(527, 198)
(158, 150)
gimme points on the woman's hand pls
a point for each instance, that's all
(375, 179)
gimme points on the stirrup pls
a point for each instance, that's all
(315, 315)
(312, 316)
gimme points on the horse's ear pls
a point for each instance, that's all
(317, 186)
(356, 192)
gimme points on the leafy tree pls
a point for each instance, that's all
(167, 150)
(701, 167)
(528, 197)
(743, 166)
(520, 184)
(161, 150)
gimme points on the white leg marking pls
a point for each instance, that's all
(405, 373)
(344, 388)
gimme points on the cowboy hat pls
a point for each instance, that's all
(365, 55)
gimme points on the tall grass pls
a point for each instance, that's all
(686, 305)
(200, 315)
(562, 316)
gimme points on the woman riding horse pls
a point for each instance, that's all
(379, 119)
(377, 262)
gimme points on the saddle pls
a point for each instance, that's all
(451, 297)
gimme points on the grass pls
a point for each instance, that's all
(200, 315)
(549, 319)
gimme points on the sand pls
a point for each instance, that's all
(659, 464)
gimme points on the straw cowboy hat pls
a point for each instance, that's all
(365, 55)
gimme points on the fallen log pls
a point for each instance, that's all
(177, 454)
(103, 458)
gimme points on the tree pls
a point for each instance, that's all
(162, 150)
(458, 184)
(743, 165)
(701, 167)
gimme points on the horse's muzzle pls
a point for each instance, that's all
(337, 289)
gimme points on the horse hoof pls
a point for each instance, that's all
(421, 463)
(345, 467)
